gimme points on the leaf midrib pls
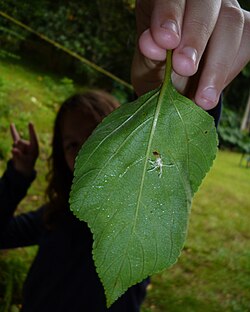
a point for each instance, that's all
(165, 86)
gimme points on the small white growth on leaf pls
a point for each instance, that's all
(157, 164)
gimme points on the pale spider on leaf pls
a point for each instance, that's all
(157, 164)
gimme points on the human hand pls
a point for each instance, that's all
(210, 42)
(24, 153)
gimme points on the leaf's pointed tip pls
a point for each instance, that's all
(109, 302)
(115, 292)
(111, 298)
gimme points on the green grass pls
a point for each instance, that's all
(213, 272)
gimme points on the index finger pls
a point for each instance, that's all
(33, 136)
(14, 133)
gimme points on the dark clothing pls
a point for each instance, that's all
(13, 188)
(62, 276)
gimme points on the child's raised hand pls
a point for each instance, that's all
(24, 153)
(214, 31)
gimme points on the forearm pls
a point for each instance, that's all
(22, 230)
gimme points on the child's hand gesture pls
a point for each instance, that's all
(24, 153)
(209, 37)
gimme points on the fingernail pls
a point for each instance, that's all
(209, 95)
(191, 53)
(170, 25)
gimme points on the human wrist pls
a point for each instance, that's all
(25, 171)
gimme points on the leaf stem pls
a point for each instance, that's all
(168, 70)
(167, 76)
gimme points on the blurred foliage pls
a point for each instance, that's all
(230, 135)
(236, 94)
(102, 31)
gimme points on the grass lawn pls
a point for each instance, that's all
(213, 272)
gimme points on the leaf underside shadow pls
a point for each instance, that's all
(134, 181)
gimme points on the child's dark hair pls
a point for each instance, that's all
(94, 104)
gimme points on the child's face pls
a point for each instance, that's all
(76, 128)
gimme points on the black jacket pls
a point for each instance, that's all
(13, 188)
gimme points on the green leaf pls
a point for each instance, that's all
(134, 182)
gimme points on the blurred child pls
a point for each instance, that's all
(62, 276)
